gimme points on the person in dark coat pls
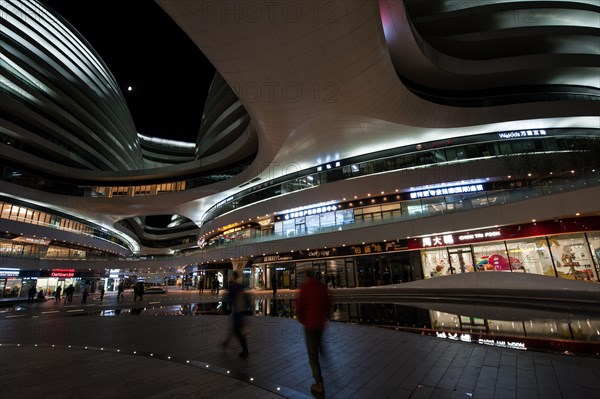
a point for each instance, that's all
(69, 291)
(57, 294)
(102, 293)
(274, 282)
(141, 291)
(240, 304)
(312, 308)
(85, 295)
(31, 295)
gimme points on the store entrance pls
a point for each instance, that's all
(461, 260)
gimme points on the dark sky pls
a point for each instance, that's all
(144, 48)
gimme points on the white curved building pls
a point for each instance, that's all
(373, 141)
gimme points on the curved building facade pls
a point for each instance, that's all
(375, 142)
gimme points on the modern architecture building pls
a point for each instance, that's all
(375, 142)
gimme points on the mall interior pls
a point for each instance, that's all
(379, 143)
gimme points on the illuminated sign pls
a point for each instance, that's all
(481, 341)
(435, 241)
(31, 240)
(9, 272)
(476, 236)
(329, 166)
(450, 239)
(435, 192)
(313, 211)
(522, 133)
(62, 273)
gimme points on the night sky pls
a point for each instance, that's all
(144, 48)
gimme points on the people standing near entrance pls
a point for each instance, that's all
(141, 291)
(31, 295)
(120, 291)
(201, 285)
(240, 304)
(274, 281)
(85, 295)
(57, 294)
(102, 293)
(215, 286)
(312, 308)
(69, 291)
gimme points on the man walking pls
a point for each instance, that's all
(240, 304)
(312, 308)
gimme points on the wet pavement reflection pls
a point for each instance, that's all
(551, 331)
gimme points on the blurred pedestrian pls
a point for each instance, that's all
(201, 286)
(240, 304)
(274, 281)
(102, 293)
(312, 308)
(57, 294)
(31, 295)
(85, 295)
(69, 291)
(141, 291)
(135, 292)
(120, 290)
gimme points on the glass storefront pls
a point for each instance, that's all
(570, 256)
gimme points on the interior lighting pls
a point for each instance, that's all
(577, 214)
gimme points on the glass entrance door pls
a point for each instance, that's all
(461, 260)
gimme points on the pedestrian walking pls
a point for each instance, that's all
(69, 291)
(120, 291)
(85, 295)
(201, 285)
(312, 308)
(240, 304)
(102, 294)
(57, 294)
(31, 295)
(274, 281)
(136, 291)
(141, 291)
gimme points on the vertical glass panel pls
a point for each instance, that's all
(435, 262)
(594, 241)
(530, 256)
(491, 256)
(461, 260)
(572, 257)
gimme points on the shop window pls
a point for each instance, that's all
(472, 151)
(440, 155)
(345, 216)
(530, 256)
(405, 161)
(505, 148)
(550, 144)
(451, 154)
(435, 262)
(518, 146)
(491, 257)
(572, 257)
(528, 146)
(594, 241)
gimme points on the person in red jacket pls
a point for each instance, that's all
(312, 308)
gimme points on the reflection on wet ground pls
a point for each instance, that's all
(566, 332)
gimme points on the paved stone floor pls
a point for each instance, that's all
(168, 355)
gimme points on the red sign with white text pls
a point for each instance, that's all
(62, 273)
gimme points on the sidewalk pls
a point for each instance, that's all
(359, 362)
